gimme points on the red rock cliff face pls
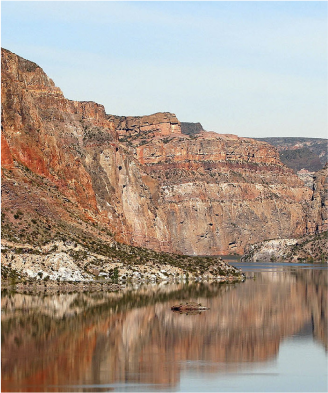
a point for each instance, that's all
(40, 128)
(156, 187)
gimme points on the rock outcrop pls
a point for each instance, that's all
(69, 169)
(158, 124)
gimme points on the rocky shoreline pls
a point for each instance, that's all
(70, 266)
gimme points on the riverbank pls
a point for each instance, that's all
(67, 264)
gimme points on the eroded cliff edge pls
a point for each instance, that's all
(70, 168)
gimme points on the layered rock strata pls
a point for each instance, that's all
(221, 192)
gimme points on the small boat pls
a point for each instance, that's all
(193, 306)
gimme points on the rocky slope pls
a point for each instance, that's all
(73, 262)
(70, 170)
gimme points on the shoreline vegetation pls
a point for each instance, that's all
(71, 266)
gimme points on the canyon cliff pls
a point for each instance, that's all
(70, 168)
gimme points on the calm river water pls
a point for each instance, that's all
(266, 334)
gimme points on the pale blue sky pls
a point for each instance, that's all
(248, 68)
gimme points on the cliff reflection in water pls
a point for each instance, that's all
(51, 342)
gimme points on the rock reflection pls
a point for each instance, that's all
(51, 342)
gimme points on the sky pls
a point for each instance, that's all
(255, 69)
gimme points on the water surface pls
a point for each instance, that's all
(266, 334)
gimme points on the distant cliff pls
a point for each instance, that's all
(191, 128)
(299, 153)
